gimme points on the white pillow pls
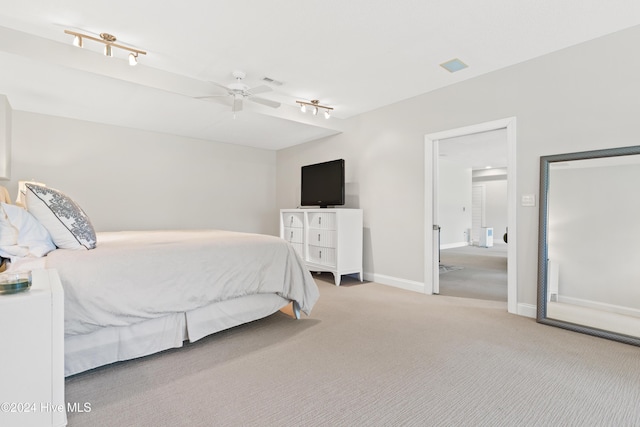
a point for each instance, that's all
(31, 234)
(67, 223)
(8, 233)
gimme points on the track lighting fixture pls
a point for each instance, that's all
(133, 59)
(109, 42)
(315, 104)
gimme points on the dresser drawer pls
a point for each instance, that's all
(322, 255)
(324, 238)
(293, 219)
(322, 220)
(293, 235)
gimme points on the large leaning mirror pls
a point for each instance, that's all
(589, 255)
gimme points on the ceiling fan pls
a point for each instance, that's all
(239, 91)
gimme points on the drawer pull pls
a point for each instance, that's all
(291, 235)
(291, 220)
(320, 252)
(318, 237)
(319, 220)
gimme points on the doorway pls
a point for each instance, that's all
(432, 203)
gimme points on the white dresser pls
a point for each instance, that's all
(326, 239)
(32, 354)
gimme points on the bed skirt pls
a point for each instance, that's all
(114, 344)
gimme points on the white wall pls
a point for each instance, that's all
(128, 179)
(5, 138)
(567, 101)
(454, 196)
(495, 203)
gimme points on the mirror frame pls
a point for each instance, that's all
(541, 312)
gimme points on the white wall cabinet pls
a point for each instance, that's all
(32, 354)
(326, 239)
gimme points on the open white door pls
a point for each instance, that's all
(435, 279)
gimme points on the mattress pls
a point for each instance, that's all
(135, 276)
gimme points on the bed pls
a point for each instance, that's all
(135, 293)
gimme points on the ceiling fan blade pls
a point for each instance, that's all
(259, 89)
(220, 85)
(267, 102)
(211, 96)
(227, 92)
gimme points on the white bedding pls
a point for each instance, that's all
(131, 277)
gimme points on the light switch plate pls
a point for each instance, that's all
(528, 200)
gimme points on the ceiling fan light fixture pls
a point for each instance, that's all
(240, 91)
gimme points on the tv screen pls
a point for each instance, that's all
(323, 184)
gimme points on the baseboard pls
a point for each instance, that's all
(408, 285)
(610, 308)
(527, 310)
(454, 245)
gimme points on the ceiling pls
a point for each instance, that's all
(484, 150)
(355, 56)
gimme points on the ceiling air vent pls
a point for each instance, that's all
(271, 81)
(454, 65)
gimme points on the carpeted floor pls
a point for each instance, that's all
(474, 272)
(373, 355)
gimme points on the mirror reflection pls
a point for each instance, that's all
(590, 235)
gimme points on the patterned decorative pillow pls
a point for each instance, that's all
(66, 222)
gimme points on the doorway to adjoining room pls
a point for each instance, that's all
(472, 211)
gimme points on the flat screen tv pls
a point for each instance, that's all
(322, 184)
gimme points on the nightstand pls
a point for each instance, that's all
(32, 354)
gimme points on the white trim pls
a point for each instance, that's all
(527, 310)
(430, 162)
(435, 272)
(454, 245)
(483, 212)
(609, 308)
(409, 285)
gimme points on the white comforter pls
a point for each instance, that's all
(134, 276)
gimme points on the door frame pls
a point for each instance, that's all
(483, 211)
(431, 244)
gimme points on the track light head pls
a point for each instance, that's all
(303, 108)
(108, 51)
(327, 114)
(133, 59)
(77, 41)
